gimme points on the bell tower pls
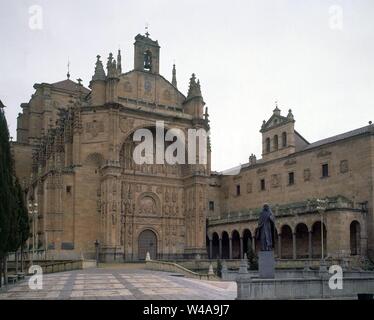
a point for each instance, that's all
(146, 54)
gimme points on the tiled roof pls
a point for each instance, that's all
(70, 86)
(345, 135)
(338, 137)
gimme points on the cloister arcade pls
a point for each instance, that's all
(302, 240)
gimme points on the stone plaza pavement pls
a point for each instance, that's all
(121, 283)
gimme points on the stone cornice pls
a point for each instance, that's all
(338, 203)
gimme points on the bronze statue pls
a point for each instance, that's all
(266, 230)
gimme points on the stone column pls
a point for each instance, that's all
(253, 243)
(241, 248)
(279, 246)
(310, 245)
(210, 249)
(230, 248)
(220, 248)
(293, 245)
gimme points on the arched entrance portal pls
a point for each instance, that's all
(147, 242)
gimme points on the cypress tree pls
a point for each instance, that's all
(14, 226)
(6, 183)
(22, 219)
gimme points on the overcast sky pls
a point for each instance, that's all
(314, 56)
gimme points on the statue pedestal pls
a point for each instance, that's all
(266, 264)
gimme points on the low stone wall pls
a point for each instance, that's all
(88, 264)
(50, 267)
(231, 275)
(174, 267)
(252, 288)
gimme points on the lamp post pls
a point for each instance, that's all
(321, 207)
(97, 252)
(33, 211)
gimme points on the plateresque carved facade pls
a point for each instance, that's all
(74, 156)
(74, 152)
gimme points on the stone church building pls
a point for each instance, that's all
(74, 156)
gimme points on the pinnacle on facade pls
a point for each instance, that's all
(119, 62)
(174, 78)
(111, 67)
(99, 70)
(194, 89)
(290, 115)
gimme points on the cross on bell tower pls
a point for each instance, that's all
(146, 30)
(146, 54)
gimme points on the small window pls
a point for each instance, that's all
(148, 61)
(262, 184)
(267, 144)
(68, 189)
(325, 170)
(238, 190)
(211, 205)
(291, 178)
(276, 142)
(284, 139)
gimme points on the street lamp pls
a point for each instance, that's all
(321, 208)
(97, 252)
(33, 211)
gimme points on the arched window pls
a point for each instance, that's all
(148, 60)
(355, 238)
(284, 139)
(276, 142)
(267, 144)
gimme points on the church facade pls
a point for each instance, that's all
(74, 152)
(74, 156)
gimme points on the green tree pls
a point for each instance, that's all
(6, 184)
(23, 226)
(14, 227)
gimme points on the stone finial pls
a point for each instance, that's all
(206, 114)
(119, 62)
(99, 70)
(194, 88)
(290, 115)
(110, 59)
(252, 159)
(174, 78)
(68, 73)
(112, 67)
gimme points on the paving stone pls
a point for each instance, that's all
(121, 284)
